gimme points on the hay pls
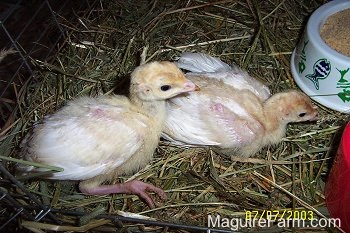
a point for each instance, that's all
(104, 48)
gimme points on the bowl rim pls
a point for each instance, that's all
(317, 20)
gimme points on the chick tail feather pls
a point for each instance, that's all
(200, 62)
(177, 143)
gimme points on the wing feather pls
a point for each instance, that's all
(184, 123)
(201, 64)
(217, 115)
(86, 138)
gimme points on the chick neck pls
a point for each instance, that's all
(155, 109)
(274, 123)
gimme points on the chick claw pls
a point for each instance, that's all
(136, 187)
(141, 189)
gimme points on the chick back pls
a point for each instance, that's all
(90, 137)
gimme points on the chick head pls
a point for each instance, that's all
(159, 81)
(295, 106)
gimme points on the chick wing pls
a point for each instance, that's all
(211, 67)
(218, 115)
(87, 137)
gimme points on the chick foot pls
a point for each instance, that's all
(136, 187)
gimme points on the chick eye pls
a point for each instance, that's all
(302, 114)
(165, 87)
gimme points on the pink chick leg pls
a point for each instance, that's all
(136, 187)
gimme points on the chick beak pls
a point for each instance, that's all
(315, 115)
(190, 86)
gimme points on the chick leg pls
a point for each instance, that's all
(136, 187)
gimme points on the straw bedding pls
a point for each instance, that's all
(105, 46)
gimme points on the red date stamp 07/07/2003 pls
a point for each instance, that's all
(279, 214)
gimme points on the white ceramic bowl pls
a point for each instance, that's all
(320, 71)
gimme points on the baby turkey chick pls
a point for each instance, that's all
(234, 118)
(97, 139)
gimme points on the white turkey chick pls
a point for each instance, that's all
(233, 111)
(97, 139)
